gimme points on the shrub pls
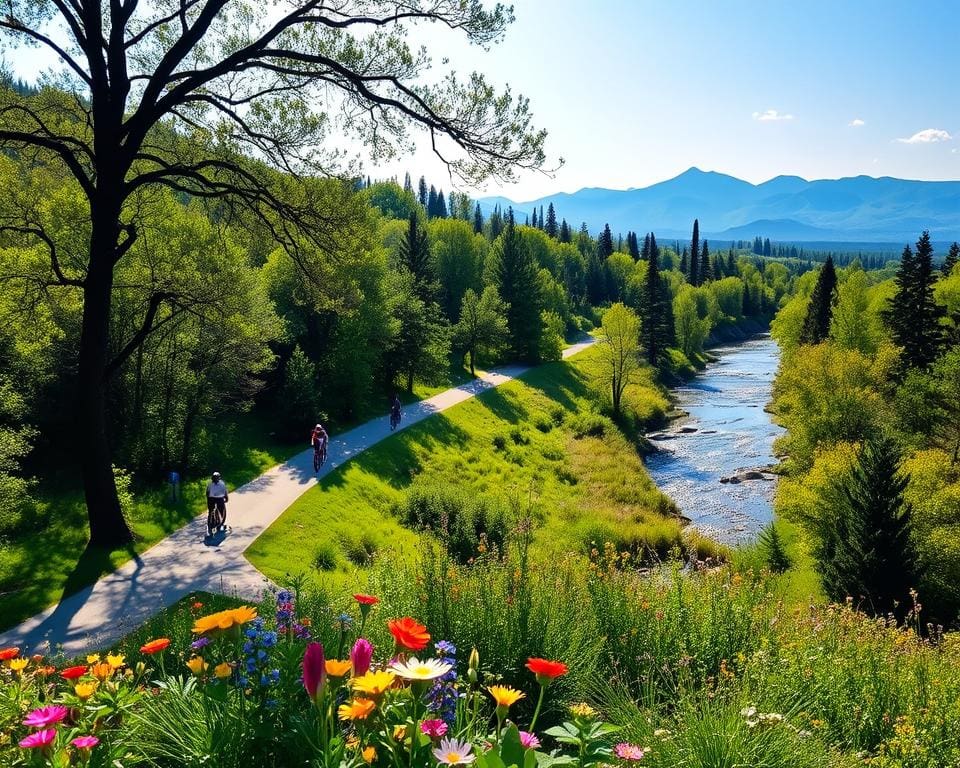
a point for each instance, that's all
(558, 413)
(590, 424)
(325, 556)
(543, 422)
(519, 435)
(360, 549)
(463, 521)
(499, 441)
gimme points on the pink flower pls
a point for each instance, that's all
(41, 718)
(360, 656)
(434, 728)
(529, 740)
(314, 670)
(629, 752)
(42, 739)
(85, 742)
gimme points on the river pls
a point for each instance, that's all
(728, 431)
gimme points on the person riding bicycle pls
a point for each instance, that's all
(395, 409)
(217, 499)
(318, 439)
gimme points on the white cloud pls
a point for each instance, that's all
(856, 123)
(771, 116)
(927, 136)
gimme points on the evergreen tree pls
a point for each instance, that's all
(421, 346)
(423, 196)
(532, 218)
(766, 247)
(913, 316)
(705, 272)
(654, 248)
(953, 256)
(477, 220)
(656, 313)
(683, 261)
(441, 205)
(565, 236)
(731, 264)
(864, 549)
(540, 223)
(605, 243)
(816, 324)
(452, 205)
(645, 252)
(775, 553)
(432, 203)
(407, 183)
(632, 247)
(551, 225)
(414, 257)
(496, 223)
(514, 273)
(695, 254)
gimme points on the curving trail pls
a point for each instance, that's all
(182, 563)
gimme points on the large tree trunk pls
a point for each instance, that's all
(108, 528)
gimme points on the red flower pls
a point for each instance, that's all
(9, 653)
(409, 633)
(546, 670)
(72, 673)
(314, 670)
(366, 599)
(155, 646)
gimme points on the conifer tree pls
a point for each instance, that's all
(683, 261)
(705, 272)
(565, 236)
(477, 220)
(532, 218)
(452, 205)
(775, 553)
(953, 256)
(432, 203)
(496, 223)
(816, 324)
(414, 257)
(695, 254)
(605, 243)
(540, 224)
(766, 247)
(514, 273)
(731, 264)
(656, 328)
(441, 205)
(864, 548)
(407, 183)
(422, 195)
(645, 251)
(551, 225)
(913, 316)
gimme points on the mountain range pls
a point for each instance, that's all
(860, 209)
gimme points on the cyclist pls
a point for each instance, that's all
(318, 439)
(395, 411)
(217, 498)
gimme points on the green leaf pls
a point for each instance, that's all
(511, 750)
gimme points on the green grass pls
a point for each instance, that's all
(530, 444)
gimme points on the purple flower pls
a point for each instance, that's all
(41, 739)
(529, 740)
(629, 752)
(44, 716)
(200, 643)
(85, 742)
(434, 728)
(360, 656)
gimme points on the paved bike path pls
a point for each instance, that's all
(183, 562)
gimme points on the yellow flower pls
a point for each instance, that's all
(504, 696)
(338, 668)
(358, 709)
(101, 671)
(369, 755)
(18, 665)
(582, 710)
(399, 732)
(224, 620)
(85, 690)
(93, 658)
(373, 683)
(197, 665)
(115, 660)
(223, 670)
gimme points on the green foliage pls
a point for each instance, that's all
(300, 394)
(691, 328)
(913, 315)
(773, 548)
(514, 273)
(619, 351)
(482, 328)
(550, 347)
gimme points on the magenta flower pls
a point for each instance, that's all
(529, 740)
(41, 739)
(314, 670)
(44, 716)
(628, 752)
(360, 656)
(434, 728)
(85, 742)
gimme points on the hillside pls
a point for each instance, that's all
(860, 208)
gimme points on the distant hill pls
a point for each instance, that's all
(861, 208)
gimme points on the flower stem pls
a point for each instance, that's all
(536, 712)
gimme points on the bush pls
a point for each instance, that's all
(499, 441)
(543, 422)
(590, 424)
(326, 556)
(466, 524)
(360, 549)
(519, 435)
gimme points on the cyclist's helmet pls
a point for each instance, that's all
(216, 475)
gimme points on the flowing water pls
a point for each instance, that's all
(727, 432)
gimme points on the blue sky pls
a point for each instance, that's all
(636, 91)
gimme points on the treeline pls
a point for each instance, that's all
(869, 391)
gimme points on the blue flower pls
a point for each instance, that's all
(445, 648)
(284, 596)
(269, 639)
(344, 620)
(199, 643)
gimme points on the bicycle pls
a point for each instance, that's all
(319, 456)
(216, 515)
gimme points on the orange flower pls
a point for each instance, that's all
(409, 633)
(369, 755)
(9, 653)
(101, 671)
(44, 671)
(337, 668)
(155, 646)
(224, 620)
(358, 709)
(366, 599)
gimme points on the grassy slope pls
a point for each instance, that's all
(49, 560)
(582, 489)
